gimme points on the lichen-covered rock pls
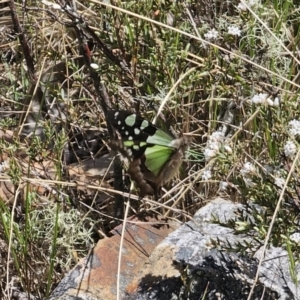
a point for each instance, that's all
(192, 262)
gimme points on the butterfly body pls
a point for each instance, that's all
(154, 156)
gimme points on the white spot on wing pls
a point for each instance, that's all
(129, 152)
(136, 131)
(136, 147)
(126, 132)
(130, 138)
(130, 120)
(144, 124)
(116, 114)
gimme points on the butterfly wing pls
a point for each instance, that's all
(148, 148)
(156, 157)
(133, 127)
(141, 137)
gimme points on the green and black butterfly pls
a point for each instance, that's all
(154, 156)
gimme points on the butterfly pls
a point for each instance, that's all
(154, 157)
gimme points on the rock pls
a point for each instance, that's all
(209, 273)
(191, 263)
(95, 277)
